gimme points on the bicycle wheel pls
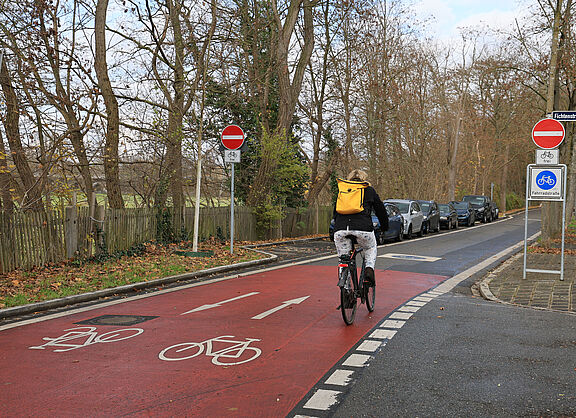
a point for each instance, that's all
(370, 294)
(172, 353)
(234, 355)
(118, 335)
(347, 298)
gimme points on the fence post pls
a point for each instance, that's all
(99, 212)
(71, 230)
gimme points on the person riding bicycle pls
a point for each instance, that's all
(359, 225)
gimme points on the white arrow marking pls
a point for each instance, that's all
(277, 308)
(217, 304)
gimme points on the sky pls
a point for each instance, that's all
(448, 15)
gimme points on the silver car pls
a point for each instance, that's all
(413, 217)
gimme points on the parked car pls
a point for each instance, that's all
(484, 207)
(448, 216)
(395, 223)
(412, 214)
(431, 215)
(466, 213)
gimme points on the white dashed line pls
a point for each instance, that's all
(422, 299)
(340, 377)
(415, 303)
(408, 308)
(356, 360)
(401, 315)
(392, 324)
(370, 345)
(383, 334)
(323, 399)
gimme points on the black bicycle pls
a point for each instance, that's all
(353, 287)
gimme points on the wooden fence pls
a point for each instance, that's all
(36, 238)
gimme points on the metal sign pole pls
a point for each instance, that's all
(232, 212)
(526, 220)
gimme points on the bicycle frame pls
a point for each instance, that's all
(349, 262)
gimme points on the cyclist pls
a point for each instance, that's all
(359, 225)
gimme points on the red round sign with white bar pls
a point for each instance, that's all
(232, 137)
(548, 133)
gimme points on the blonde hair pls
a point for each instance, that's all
(357, 175)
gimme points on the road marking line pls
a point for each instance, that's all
(422, 299)
(356, 360)
(383, 334)
(401, 315)
(218, 304)
(340, 377)
(392, 324)
(410, 257)
(370, 345)
(323, 399)
(416, 303)
(284, 305)
(408, 308)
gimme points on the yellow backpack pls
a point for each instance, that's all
(350, 196)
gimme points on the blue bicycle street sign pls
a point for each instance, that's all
(546, 182)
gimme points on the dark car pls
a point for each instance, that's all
(395, 223)
(466, 213)
(431, 216)
(395, 229)
(448, 216)
(483, 206)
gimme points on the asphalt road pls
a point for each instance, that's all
(462, 356)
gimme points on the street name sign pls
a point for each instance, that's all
(548, 133)
(565, 115)
(232, 137)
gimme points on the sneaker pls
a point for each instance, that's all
(369, 276)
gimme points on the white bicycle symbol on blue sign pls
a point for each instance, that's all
(546, 180)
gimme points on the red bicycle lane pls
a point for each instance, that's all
(280, 327)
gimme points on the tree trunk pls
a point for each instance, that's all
(32, 198)
(5, 180)
(111, 168)
(551, 211)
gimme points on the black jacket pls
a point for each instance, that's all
(363, 221)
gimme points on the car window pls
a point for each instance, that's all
(403, 207)
(478, 200)
(416, 206)
(460, 205)
(426, 207)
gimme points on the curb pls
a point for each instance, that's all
(87, 297)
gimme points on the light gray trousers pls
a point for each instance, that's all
(366, 240)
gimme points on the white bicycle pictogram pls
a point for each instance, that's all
(86, 336)
(546, 180)
(235, 350)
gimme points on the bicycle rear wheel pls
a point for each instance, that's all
(347, 298)
(370, 293)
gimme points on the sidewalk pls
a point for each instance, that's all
(538, 290)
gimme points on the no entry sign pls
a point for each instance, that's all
(548, 133)
(232, 137)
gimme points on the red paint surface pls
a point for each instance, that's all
(299, 345)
